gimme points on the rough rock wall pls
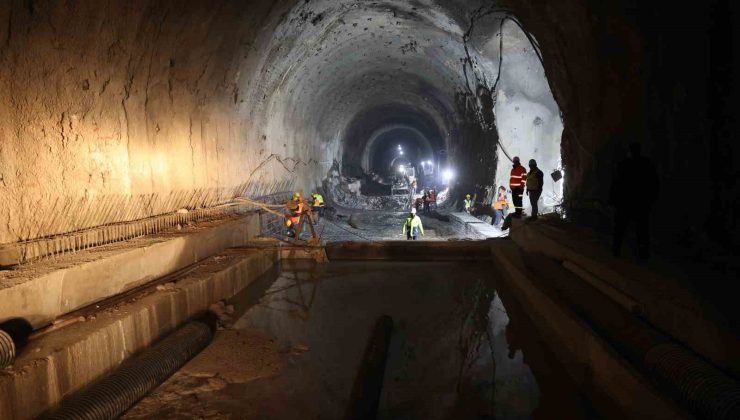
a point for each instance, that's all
(625, 71)
(122, 109)
(516, 112)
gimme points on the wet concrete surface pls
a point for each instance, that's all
(456, 350)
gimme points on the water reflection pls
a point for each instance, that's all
(454, 352)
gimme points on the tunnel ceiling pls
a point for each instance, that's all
(356, 67)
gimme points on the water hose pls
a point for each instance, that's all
(110, 397)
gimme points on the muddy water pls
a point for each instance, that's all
(457, 350)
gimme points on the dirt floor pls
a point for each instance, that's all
(353, 225)
(456, 350)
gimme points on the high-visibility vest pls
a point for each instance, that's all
(518, 177)
(500, 204)
(296, 208)
(318, 200)
(468, 204)
(413, 222)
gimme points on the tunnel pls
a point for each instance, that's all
(146, 142)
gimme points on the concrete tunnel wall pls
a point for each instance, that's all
(140, 107)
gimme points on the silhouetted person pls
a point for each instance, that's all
(516, 182)
(535, 181)
(633, 193)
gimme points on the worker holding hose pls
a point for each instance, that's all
(294, 215)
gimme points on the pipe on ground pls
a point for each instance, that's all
(703, 389)
(113, 395)
(7, 349)
(365, 396)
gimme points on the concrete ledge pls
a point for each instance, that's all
(409, 250)
(39, 293)
(613, 383)
(478, 227)
(63, 362)
(664, 303)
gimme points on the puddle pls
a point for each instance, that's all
(454, 352)
(457, 351)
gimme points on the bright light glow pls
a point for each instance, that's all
(402, 169)
(448, 175)
(429, 162)
(401, 152)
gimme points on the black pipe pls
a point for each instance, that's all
(365, 396)
(113, 395)
(7, 349)
(14, 335)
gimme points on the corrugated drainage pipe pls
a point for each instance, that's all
(7, 349)
(114, 394)
(708, 392)
(703, 389)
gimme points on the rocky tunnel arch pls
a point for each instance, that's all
(251, 98)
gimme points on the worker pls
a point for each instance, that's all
(468, 207)
(517, 181)
(413, 187)
(419, 203)
(500, 207)
(535, 180)
(433, 199)
(295, 209)
(412, 226)
(318, 204)
(427, 200)
(633, 194)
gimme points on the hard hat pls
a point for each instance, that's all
(413, 210)
(288, 222)
(296, 196)
(467, 196)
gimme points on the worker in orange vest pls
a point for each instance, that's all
(295, 208)
(517, 181)
(500, 206)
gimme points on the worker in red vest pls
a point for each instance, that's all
(517, 181)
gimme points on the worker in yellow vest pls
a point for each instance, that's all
(468, 204)
(318, 204)
(412, 226)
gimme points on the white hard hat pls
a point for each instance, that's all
(413, 210)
